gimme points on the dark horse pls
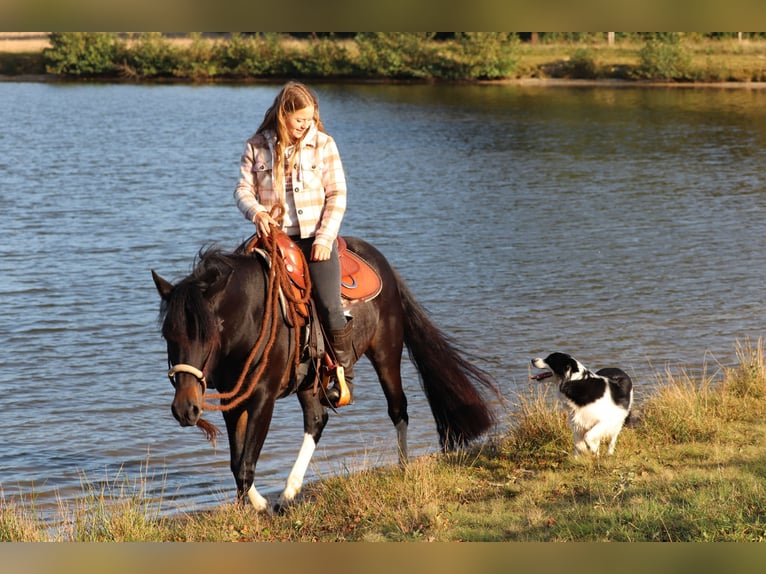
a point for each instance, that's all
(211, 319)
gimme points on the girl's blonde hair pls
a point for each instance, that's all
(292, 97)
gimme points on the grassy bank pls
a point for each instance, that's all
(683, 58)
(691, 467)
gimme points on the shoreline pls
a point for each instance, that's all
(521, 82)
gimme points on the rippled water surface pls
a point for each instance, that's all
(624, 226)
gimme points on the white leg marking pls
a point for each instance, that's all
(401, 441)
(295, 479)
(258, 501)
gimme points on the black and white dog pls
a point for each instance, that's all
(599, 402)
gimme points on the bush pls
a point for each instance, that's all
(252, 56)
(479, 55)
(581, 65)
(149, 56)
(663, 57)
(324, 56)
(81, 53)
(396, 54)
(198, 61)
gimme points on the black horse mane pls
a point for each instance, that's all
(186, 315)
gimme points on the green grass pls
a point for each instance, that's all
(690, 467)
(725, 60)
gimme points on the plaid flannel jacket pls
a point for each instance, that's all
(318, 180)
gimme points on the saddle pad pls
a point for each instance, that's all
(359, 280)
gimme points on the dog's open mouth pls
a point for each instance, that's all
(541, 376)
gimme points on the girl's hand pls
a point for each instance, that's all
(263, 223)
(319, 253)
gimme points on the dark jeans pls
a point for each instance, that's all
(325, 281)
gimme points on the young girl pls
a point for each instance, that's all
(291, 161)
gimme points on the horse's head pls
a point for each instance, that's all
(191, 330)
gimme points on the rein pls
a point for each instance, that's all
(278, 279)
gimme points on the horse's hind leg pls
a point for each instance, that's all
(314, 420)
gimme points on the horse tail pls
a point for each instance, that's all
(451, 383)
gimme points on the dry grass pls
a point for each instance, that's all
(23, 42)
(690, 468)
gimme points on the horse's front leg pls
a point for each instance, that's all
(314, 420)
(247, 429)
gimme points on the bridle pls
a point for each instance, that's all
(189, 370)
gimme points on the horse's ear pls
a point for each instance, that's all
(164, 287)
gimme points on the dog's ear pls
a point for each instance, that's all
(571, 367)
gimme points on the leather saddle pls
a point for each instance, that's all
(359, 281)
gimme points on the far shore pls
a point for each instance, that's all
(31, 43)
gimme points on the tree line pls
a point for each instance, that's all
(425, 56)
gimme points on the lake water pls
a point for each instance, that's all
(622, 225)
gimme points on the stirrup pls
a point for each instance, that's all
(342, 386)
